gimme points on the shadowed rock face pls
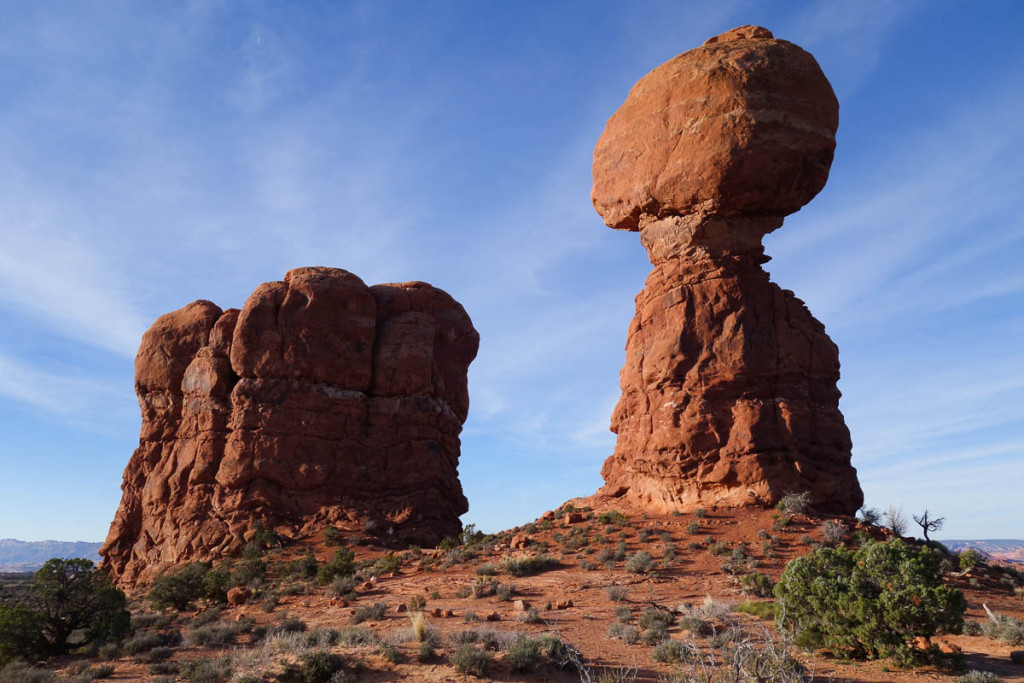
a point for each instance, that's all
(322, 400)
(729, 389)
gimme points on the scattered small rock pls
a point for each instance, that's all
(239, 595)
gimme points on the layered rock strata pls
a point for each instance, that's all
(321, 400)
(729, 390)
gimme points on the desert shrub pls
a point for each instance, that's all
(530, 616)
(390, 653)
(179, 588)
(21, 632)
(525, 566)
(523, 654)
(292, 625)
(757, 584)
(342, 587)
(353, 636)
(332, 536)
(417, 603)
(868, 603)
(426, 653)
(205, 617)
(761, 610)
(469, 660)
(20, 672)
(613, 517)
(1006, 629)
(717, 548)
(978, 677)
(640, 563)
(973, 628)
(624, 632)
(216, 583)
(794, 503)
(207, 670)
(695, 625)
(373, 612)
(870, 516)
(623, 614)
(160, 653)
(304, 567)
(487, 569)
(389, 564)
(212, 635)
(669, 652)
(970, 558)
(832, 532)
(342, 563)
(617, 593)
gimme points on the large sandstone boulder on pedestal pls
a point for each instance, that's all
(729, 389)
(321, 400)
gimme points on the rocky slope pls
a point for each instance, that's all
(320, 400)
(729, 388)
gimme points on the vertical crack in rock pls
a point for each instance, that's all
(709, 153)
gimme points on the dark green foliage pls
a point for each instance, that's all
(318, 667)
(523, 654)
(970, 558)
(332, 536)
(68, 599)
(342, 563)
(304, 567)
(469, 660)
(179, 588)
(208, 670)
(761, 610)
(388, 564)
(757, 584)
(426, 653)
(613, 517)
(868, 603)
(669, 652)
(390, 653)
(21, 634)
(526, 566)
(369, 613)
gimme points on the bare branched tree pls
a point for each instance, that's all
(927, 524)
(895, 519)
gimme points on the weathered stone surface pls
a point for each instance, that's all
(729, 389)
(322, 400)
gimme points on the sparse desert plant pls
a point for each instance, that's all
(970, 558)
(374, 612)
(871, 602)
(178, 588)
(332, 536)
(390, 653)
(624, 632)
(693, 528)
(613, 517)
(212, 635)
(870, 516)
(757, 584)
(669, 652)
(20, 672)
(975, 676)
(1009, 630)
(487, 569)
(700, 513)
(623, 614)
(525, 566)
(794, 503)
(320, 666)
(342, 563)
(467, 659)
(640, 563)
(529, 616)
(761, 610)
(895, 519)
(832, 532)
(207, 670)
(342, 587)
(617, 593)
(523, 654)
(417, 603)
(426, 653)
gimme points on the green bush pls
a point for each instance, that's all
(342, 563)
(523, 654)
(757, 584)
(868, 603)
(794, 503)
(669, 652)
(761, 610)
(524, 566)
(640, 563)
(613, 517)
(179, 588)
(21, 634)
(20, 672)
(970, 558)
(373, 612)
(469, 660)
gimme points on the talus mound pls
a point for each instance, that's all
(729, 390)
(321, 400)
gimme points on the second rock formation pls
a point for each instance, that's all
(729, 390)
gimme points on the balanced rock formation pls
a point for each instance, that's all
(729, 389)
(322, 400)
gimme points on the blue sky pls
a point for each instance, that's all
(156, 153)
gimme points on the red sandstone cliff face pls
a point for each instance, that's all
(729, 389)
(321, 400)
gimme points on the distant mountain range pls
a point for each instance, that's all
(28, 556)
(1005, 550)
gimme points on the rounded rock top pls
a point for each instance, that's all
(743, 126)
